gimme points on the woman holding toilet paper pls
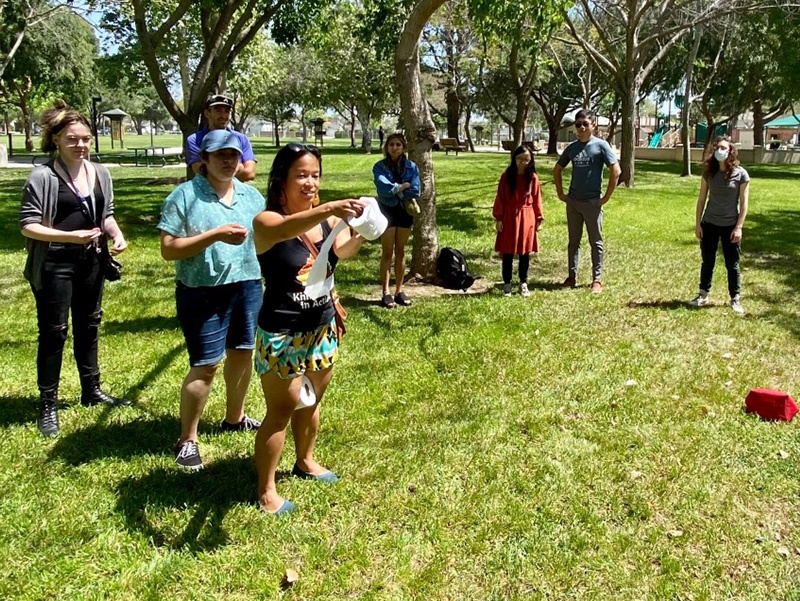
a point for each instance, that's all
(296, 339)
(397, 181)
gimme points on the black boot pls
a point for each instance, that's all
(48, 412)
(92, 394)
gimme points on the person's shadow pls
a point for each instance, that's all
(208, 494)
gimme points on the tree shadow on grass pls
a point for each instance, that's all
(141, 324)
(771, 245)
(208, 495)
(145, 436)
(17, 411)
(666, 305)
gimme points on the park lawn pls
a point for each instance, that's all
(564, 446)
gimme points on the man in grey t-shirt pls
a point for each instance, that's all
(588, 155)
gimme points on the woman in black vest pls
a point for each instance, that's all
(296, 339)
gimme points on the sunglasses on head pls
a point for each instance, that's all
(583, 124)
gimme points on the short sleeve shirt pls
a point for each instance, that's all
(193, 208)
(194, 141)
(587, 160)
(723, 197)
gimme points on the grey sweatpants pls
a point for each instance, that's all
(591, 213)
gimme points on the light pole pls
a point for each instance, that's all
(95, 100)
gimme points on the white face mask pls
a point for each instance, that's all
(721, 154)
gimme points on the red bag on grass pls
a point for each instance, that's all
(770, 404)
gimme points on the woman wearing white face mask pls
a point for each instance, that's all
(726, 186)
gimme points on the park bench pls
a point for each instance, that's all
(448, 144)
(162, 154)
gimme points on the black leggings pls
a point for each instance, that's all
(71, 281)
(712, 236)
(524, 261)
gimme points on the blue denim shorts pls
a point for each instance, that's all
(215, 318)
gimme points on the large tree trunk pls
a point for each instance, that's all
(276, 133)
(687, 103)
(758, 123)
(26, 124)
(552, 133)
(628, 152)
(467, 135)
(352, 111)
(421, 134)
(520, 116)
(453, 111)
(366, 133)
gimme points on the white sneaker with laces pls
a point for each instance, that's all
(700, 300)
(737, 306)
(506, 289)
(523, 289)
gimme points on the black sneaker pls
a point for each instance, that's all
(48, 418)
(187, 455)
(247, 424)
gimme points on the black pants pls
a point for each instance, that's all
(712, 235)
(524, 261)
(71, 280)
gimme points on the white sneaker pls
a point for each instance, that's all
(523, 289)
(700, 300)
(737, 306)
(506, 289)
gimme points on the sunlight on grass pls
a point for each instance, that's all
(564, 446)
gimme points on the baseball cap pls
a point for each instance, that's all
(220, 139)
(219, 100)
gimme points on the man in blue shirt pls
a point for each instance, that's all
(218, 115)
(584, 202)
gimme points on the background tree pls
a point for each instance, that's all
(450, 51)
(558, 90)
(223, 29)
(55, 59)
(627, 39)
(16, 18)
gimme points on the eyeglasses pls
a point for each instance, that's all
(73, 141)
(582, 124)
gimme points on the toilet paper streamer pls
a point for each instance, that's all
(308, 395)
(370, 224)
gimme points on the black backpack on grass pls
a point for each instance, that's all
(451, 267)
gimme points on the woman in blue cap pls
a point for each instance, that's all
(206, 228)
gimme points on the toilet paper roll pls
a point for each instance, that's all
(308, 395)
(371, 223)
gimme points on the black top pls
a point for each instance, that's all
(72, 211)
(286, 308)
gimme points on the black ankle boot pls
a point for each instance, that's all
(92, 394)
(48, 412)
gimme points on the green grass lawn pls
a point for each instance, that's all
(564, 446)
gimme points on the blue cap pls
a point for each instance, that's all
(220, 139)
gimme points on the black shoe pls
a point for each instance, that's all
(187, 455)
(92, 394)
(247, 424)
(48, 417)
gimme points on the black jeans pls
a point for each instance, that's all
(524, 261)
(71, 280)
(712, 235)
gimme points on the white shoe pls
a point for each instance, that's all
(506, 289)
(737, 306)
(700, 300)
(523, 289)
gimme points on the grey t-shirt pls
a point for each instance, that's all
(723, 197)
(587, 160)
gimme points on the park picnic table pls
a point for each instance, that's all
(151, 153)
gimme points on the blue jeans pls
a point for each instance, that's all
(712, 236)
(215, 318)
(71, 281)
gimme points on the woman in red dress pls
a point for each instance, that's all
(518, 216)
